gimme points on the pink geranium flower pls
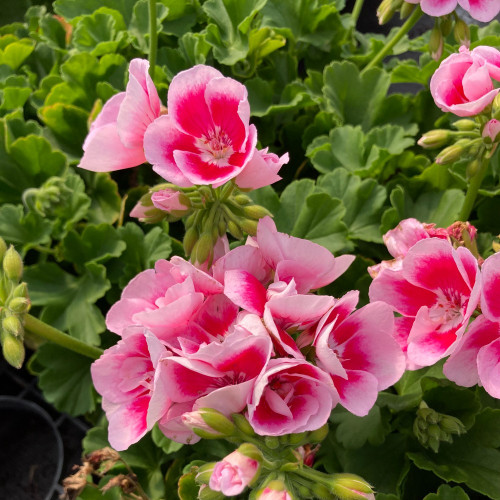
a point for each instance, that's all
(115, 139)
(125, 377)
(206, 137)
(482, 10)
(492, 130)
(463, 82)
(436, 291)
(477, 358)
(291, 396)
(234, 473)
(359, 352)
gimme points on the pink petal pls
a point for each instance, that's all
(490, 55)
(476, 82)
(245, 291)
(358, 392)
(488, 364)
(490, 299)
(186, 100)
(262, 170)
(140, 107)
(161, 140)
(481, 10)
(438, 8)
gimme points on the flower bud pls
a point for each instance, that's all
(276, 490)
(249, 226)
(234, 230)
(406, 10)
(208, 423)
(491, 131)
(255, 212)
(203, 248)
(319, 434)
(446, 25)
(242, 424)
(21, 290)
(465, 125)
(436, 43)
(351, 487)
(472, 168)
(272, 442)
(495, 107)
(461, 32)
(434, 139)
(453, 153)
(19, 305)
(190, 239)
(12, 264)
(206, 493)
(242, 199)
(13, 326)
(387, 9)
(13, 350)
(297, 438)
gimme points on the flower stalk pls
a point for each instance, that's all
(43, 330)
(153, 37)
(407, 26)
(472, 189)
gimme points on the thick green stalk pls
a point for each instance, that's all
(41, 329)
(407, 26)
(356, 11)
(472, 190)
(153, 37)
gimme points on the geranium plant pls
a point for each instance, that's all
(199, 205)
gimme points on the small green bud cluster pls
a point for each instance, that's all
(14, 304)
(219, 211)
(51, 199)
(387, 9)
(431, 428)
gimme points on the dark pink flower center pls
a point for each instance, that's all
(216, 147)
(448, 309)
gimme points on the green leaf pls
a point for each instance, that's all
(230, 22)
(69, 300)
(446, 492)
(410, 72)
(188, 489)
(95, 244)
(312, 22)
(141, 253)
(441, 208)
(64, 378)
(25, 231)
(473, 459)
(69, 9)
(106, 201)
(353, 432)
(354, 98)
(13, 51)
(362, 199)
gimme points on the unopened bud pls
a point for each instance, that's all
(298, 438)
(203, 247)
(205, 473)
(472, 168)
(446, 25)
(234, 229)
(434, 139)
(208, 423)
(436, 43)
(319, 490)
(465, 125)
(387, 9)
(13, 350)
(190, 239)
(495, 108)
(453, 153)
(222, 225)
(242, 199)
(351, 487)
(319, 434)
(242, 424)
(21, 290)
(406, 10)
(255, 212)
(12, 264)
(249, 226)
(19, 305)
(13, 326)
(461, 32)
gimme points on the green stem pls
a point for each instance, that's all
(153, 37)
(356, 11)
(472, 190)
(41, 329)
(407, 26)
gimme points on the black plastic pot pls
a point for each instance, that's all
(31, 451)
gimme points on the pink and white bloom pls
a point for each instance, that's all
(262, 170)
(359, 352)
(490, 299)
(206, 137)
(477, 358)
(115, 139)
(463, 82)
(125, 377)
(291, 396)
(492, 130)
(234, 473)
(436, 291)
(271, 494)
(481, 10)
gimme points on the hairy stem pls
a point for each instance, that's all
(45, 331)
(153, 37)
(356, 11)
(407, 26)
(472, 190)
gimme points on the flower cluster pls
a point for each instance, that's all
(447, 300)
(202, 137)
(481, 10)
(245, 336)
